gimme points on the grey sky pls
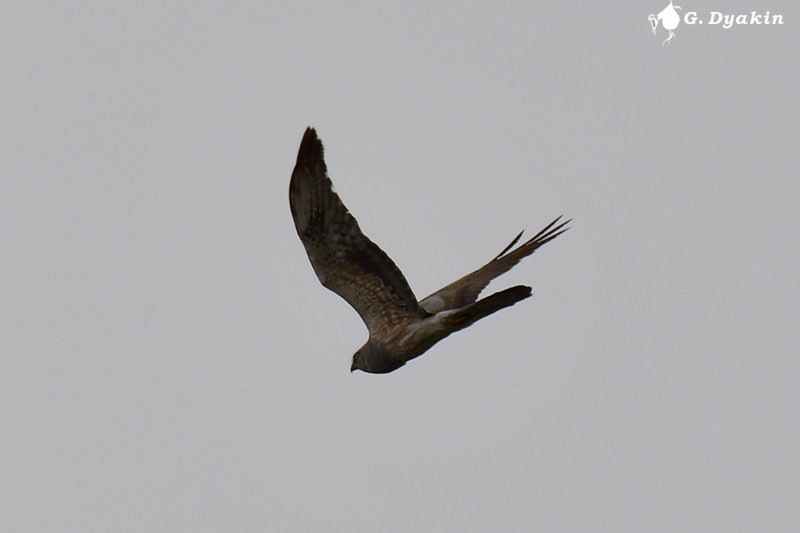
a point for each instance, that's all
(169, 361)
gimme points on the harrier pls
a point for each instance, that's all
(348, 263)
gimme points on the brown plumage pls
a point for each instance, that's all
(355, 268)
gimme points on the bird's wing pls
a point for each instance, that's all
(465, 291)
(344, 259)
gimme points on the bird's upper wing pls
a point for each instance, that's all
(466, 290)
(344, 259)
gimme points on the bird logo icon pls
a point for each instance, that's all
(669, 19)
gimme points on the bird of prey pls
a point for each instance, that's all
(348, 263)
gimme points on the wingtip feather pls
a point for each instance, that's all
(510, 245)
(311, 151)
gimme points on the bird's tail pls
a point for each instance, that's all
(486, 306)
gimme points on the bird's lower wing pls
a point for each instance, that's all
(465, 291)
(344, 259)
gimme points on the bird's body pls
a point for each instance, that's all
(407, 341)
(348, 263)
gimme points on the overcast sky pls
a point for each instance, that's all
(170, 362)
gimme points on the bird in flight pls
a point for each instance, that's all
(348, 263)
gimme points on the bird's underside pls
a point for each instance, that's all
(348, 263)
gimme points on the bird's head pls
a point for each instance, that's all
(374, 359)
(362, 359)
(356, 362)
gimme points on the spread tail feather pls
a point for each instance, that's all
(491, 304)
